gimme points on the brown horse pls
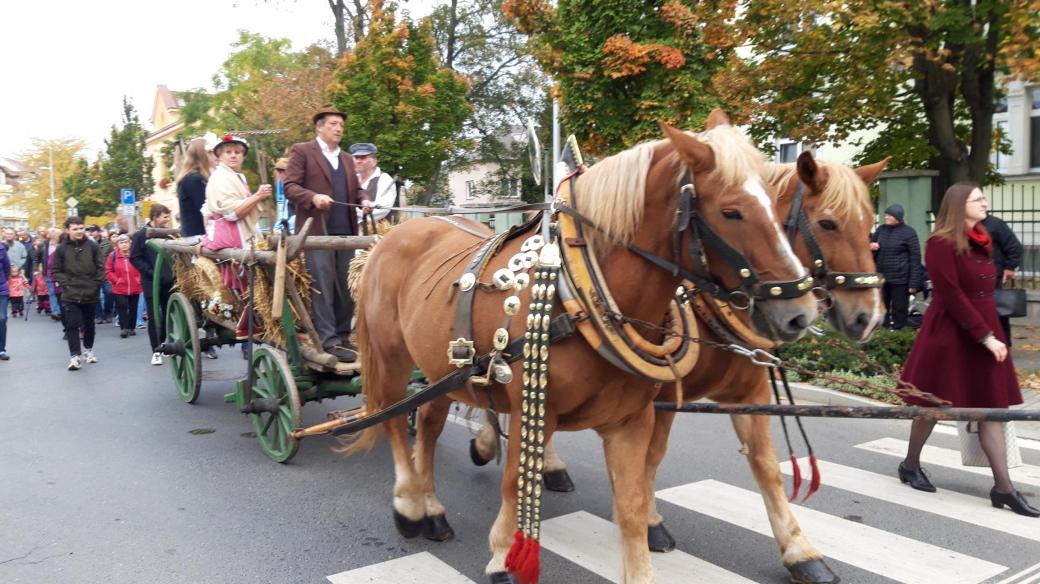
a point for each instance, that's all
(407, 313)
(840, 214)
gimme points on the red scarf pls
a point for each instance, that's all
(979, 236)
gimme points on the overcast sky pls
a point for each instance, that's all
(65, 65)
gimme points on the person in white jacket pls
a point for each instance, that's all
(381, 187)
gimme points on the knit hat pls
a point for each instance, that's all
(896, 211)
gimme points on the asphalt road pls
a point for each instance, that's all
(103, 481)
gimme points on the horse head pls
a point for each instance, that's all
(832, 237)
(730, 222)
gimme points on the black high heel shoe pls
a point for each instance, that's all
(916, 479)
(1015, 501)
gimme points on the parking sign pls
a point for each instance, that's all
(127, 196)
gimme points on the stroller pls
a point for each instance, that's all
(919, 303)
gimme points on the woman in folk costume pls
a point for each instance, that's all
(961, 354)
(234, 209)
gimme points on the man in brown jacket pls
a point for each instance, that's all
(322, 184)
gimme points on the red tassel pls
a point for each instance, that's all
(814, 485)
(515, 551)
(529, 572)
(797, 476)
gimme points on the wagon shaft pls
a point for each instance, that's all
(867, 412)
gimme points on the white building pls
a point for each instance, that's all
(11, 215)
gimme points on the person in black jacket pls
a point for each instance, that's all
(898, 256)
(191, 189)
(1007, 254)
(79, 269)
(143, 258)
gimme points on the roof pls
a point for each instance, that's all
(170, 99)
(12, 166)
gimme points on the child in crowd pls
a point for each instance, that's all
(17, 286)
(43, 300)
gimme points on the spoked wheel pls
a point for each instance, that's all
(181, 327)
(274, 423)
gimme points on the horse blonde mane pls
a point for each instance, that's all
(611, 193)
(844, 195)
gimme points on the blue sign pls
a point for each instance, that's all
(127, 196)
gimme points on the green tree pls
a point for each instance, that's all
(477, 40)
(85, 185)
(399, 96)
(262, 86)
(34, 191)
(923, 73)
(623, 66)
(126, 164)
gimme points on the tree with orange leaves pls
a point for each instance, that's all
(927, 74)
(622, 66)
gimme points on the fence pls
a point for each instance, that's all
(1019, 206)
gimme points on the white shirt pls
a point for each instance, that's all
(331, 155)
(381, 191)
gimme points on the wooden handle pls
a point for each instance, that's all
(278, 296)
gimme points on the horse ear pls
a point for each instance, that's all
(870, 172)
(697, 155)
(717, 117)
(809, 172)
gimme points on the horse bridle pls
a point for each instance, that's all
(701, 237)
(797, 222)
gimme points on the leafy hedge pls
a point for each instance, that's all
(837, 357)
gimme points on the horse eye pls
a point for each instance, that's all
(731, 214)
(828, 224)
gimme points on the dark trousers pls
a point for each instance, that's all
(17, 305)
(156, 318)
(107, 300)
(79, 316)
(126, 310)
(897, 304)
(332, 309)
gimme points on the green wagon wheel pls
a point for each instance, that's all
(182, 327)
(273, 380)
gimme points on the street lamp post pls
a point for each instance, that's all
(54, 219)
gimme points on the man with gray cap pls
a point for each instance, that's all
(897, 253)
(323, 185)
(381, 188)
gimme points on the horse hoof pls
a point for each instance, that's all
(474, 454)
(406, 526)
(659, 539)
(436, 528)
(558, 480)
(812, 572)
(502, 578)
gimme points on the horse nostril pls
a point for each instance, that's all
(798, 323)
(862, 319)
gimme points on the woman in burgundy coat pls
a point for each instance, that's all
(960, 353)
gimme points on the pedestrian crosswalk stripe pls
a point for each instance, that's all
(1025, 443)
(1030, 575)
(893, 556)
(1026, 474)
(593, 543)
(974, 510)
(417, 568)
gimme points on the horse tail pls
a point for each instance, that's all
(370, 369)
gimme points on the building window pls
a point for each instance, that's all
(471, 189)
(788, 152)
(1034, 130)
(1000, 159)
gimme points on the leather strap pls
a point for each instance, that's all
(560, 328)
(461, 347)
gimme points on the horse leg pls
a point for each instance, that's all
(484, 447)
(431, 423)
(624, 444)
(658, 538)
(555, 476)
(800, 557)
(500, 539)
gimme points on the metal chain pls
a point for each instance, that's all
(763, 358)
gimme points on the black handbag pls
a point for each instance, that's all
(1011, 302)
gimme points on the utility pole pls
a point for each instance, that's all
(54, 219)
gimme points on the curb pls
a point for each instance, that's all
(805, 392)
